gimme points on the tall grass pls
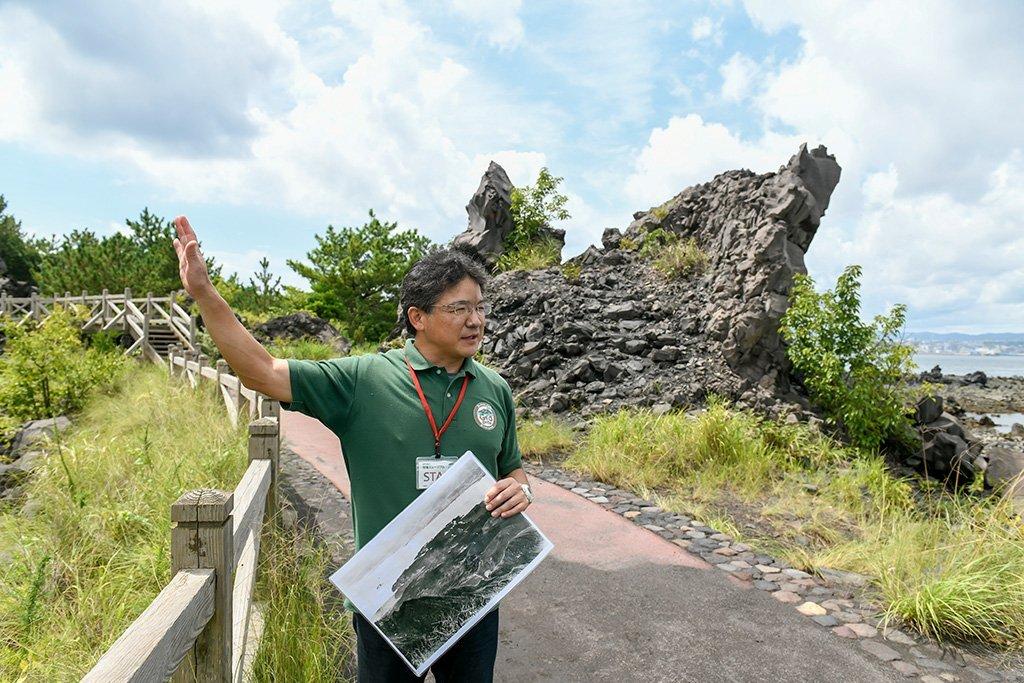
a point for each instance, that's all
(548, 435)
(312, 349)
(533, 256)
(950, 564)
(90, 549)
(307, 635)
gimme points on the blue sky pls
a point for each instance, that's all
(265, 121)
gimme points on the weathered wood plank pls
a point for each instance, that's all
(209, 372)
(154, 645)
(251, 498)
(245, 579)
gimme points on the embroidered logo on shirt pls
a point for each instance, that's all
(484, 415)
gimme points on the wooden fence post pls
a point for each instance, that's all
(171, 351)
(35, 306)
(103, 308)
(124, 319)
(202, 538)
(145, 322)
(193, 332)
(203, 361)
(265, 444)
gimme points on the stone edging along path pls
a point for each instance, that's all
(837, 600)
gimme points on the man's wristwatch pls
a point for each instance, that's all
(527, 492)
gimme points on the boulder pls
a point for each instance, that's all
(1005, 466)
(928, 409)
(37, 430)
(302, 325)
(976, 377)
(947, 458)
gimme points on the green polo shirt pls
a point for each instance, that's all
(371, 404)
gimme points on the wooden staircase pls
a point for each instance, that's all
(153, 324)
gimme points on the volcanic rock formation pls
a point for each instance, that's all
(623, 334)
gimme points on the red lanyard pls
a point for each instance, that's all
(430, 415)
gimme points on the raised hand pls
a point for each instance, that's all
(191, 264)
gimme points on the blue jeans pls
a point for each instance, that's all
(469, 660)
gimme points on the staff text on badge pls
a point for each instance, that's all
(430, 469)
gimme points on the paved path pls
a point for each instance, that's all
(614, 602)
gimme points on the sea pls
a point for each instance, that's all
(955, 364)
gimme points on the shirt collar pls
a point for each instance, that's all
(418, 362)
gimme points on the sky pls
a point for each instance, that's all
(266, 121)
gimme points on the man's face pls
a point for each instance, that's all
(447, 328)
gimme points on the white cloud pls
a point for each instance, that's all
(880, 187)
(398, 131)
(689, 150)
(738, 76)
(497, 19)
(705, 28)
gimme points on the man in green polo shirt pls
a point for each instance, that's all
(394, 413)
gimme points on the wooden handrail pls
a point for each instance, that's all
(152, 648)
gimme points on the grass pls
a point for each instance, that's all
(90, 548)
(307, 634)
(533, 256)
(950, 565)
(539, 437)
(681, 258)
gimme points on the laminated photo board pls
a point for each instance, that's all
(441, 565)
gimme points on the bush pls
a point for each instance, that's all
(356, 274)
(856, 371)
(47, 371)
(534, 208)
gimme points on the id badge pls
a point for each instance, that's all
(430, 469)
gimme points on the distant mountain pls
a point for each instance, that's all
(961, 337)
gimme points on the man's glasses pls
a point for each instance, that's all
(462, 309)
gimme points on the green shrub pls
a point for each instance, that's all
(535, 207)
(47, 371)
(854, 370)
(355, 275)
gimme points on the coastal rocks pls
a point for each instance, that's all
(302, 325)
(947, 452)
(620, 333)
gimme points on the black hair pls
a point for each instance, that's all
(429, 277)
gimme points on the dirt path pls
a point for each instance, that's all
(614, 602)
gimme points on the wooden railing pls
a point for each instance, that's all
(197, 628)
(154, 323)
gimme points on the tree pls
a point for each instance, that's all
(854, 370)
(143, 259)
(534, 209)
(355, 275)
(262, 295)
(20, 255)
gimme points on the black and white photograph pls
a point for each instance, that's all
(441, 565)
